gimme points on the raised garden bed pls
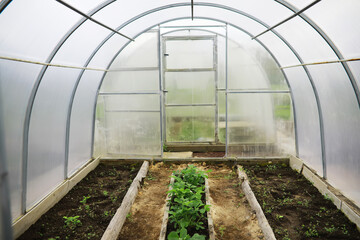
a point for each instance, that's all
(294, 207)
(85, 212)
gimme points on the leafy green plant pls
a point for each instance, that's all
(72, 222)
(330, 229)
(106, 193)
(222, 230)
(187, 208)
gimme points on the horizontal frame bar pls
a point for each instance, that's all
(180, 38)
(257, 91)
(194, 26)
(129, 93)
(132, 111)
(190, 70)
(191, 105)
(134, 69)
(324, 62)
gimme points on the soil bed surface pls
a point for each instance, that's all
(232, 215)
(88, 207)
(294, 208)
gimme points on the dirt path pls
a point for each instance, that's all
(232, 215)
(145, 218)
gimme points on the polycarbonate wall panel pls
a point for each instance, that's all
(99, 131)
(132, 102)
(307, 118)
(27, 31)
(85, 5)
(131, 81)
(260, 124)
(355, 69)
(307, 42)
(81, 122)
(15, 89)
(190, 124)
(341, 128)
(190, 87)
(46, 152)
(340, 23)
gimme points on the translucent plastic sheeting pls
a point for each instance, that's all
(25, 37)
(131, 81)
(78, 47)
(307, 41)
(99, 131)
(190, 124)
(190, 87)
(355, 69)
(15, 89)
(141, 53)
(260, 124)
(189, 54)
(85, 5)
(270, 12)
(341, 128)
(250, 66)
(133, 133)
(81, 122)
(46, 151)
(307, 122)
(132, 102)
(340, 23)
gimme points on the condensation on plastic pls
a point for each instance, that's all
(190, 87)
(341, 128)
(307, 122)
(190, 124)
(189, 54)
(81, 122)
(260, 124)
(30, 32)
(131, 81)
(132, 102)
(46, 149)
(341, 23)
(15, 89)
(307, 42)
(76, 50)
(133, 133)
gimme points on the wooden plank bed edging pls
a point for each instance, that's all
(167, 207)
(250, 196)
(117, 222)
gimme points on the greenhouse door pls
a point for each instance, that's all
(190, 85)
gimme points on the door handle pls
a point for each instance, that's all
(166, 54)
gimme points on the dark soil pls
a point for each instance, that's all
(209, 154)
(93, 202)
(294, 208)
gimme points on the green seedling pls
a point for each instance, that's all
(278, 217)
(222, 230)
(330, 229)
(72, 222)
(84, 200)
(106, 193)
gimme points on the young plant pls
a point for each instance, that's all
(72, 222)
(83, 201)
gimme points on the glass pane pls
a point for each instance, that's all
(190, 87)
(190, 124)
(132, 133)
(260, 124)
(183, 54)
(222, 116)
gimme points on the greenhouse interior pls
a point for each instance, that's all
(252, 82)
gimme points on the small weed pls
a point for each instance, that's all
(278, 217)
(330, 229)
(311, 231)
(221, 230)
(344, 230)
(72, 222)
(83, 201)
(55, 238)
(106, 193)
(130, 181)
(106, 213)
(150, 177)
(129, 217)
(241, 195)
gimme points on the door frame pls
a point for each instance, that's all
(213, 69)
